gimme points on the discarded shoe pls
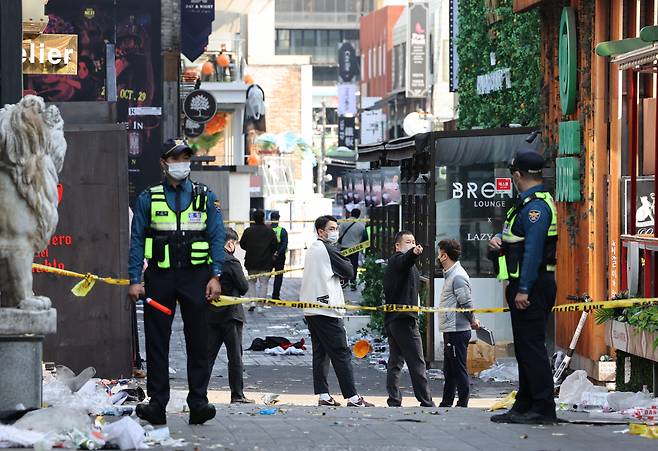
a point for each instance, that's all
(202, 414)
(242, 400)
(152, 413)
(360, 403)
(331, 403)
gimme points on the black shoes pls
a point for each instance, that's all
(152, 413)
(513, 417)
(202, 414)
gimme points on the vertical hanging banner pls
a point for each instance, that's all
(346, 132)
(417, 80)
(347, 63)
(346, 99)
(196, 25)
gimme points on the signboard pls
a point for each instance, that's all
(372, 130)
(196, 25)
(347, 63)
(51, 54)
(494, 81)
(346, 132)
(503, 185)
(200, 106)
(192, 129)
(346, 99)
(417, 79)
(645, 215)
(454, 55)
(390, 185)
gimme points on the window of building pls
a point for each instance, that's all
(351, 35)
(383, 59)
(325, 75)
(283, 39)
(369, 64)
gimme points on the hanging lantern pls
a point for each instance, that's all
(207, 69)
(223, 60)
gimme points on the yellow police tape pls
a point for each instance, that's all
(88, 281)
(574, 307)
(345, 252)
(294, 221)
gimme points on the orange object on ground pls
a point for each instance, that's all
(361, 348)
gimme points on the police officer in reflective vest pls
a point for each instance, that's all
(525, 254)
(279, 256)
(178, 227)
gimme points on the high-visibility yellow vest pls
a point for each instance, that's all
(510, 259)
(277, 232)
(188, 234)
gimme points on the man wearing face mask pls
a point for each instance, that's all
(526, 259)
(225, 323)
(401, 284)
(177, 226)
(324, 268)
(456, 326)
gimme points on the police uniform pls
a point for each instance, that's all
(180, 231)
(527, 260)
(280, 262)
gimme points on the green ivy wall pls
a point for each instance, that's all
(515, 39)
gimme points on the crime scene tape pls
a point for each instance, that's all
(294, 221)
(345, 252)
(88, 281)
(224, 301)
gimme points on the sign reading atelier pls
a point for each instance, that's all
(417, 80)
(347, 65)
(51, 54)
(200, 106)
(567, 61)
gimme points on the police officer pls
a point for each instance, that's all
(178, 228)
(280, 254)
(525, 257)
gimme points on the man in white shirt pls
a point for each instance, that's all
(324, 267)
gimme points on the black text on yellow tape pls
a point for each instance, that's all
(353, 250)
(575, 307)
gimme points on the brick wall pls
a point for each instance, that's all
(283, 102)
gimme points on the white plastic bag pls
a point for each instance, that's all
(126, 433)
(55, 420)
(574, 387)
(619, 401)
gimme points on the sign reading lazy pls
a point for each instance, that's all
(51, 54)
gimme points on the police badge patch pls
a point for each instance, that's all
(534, 215)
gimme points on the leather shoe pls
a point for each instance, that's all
(242, 400)
(533, 418)
(505, 417)
(152, 413)
(202, 414)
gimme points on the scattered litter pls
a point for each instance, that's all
(126, 433)
(506, 403)
(574, 388)
(73, 382)
(177, 401)
(55, 420)
(435, 374)
(280, 351)
(409, 420)
(507, 371)
(643, 430)
(268, 411)
(524, 436)
(172, 371)
(626, 400)
(269, 399)
(11, 436)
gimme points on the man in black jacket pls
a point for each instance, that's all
(401, 281)
(259, 244)
(225, 323)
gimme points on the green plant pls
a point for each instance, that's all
(373, 290)
(641, 317)
(514, 39)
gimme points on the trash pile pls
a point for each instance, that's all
(505, 371)
(74, 416)
(278, 346)
(577, 393)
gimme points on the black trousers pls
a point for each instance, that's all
(188, 286)
(529, 329)
(228, 333)
(405, 345)
(278, 279)
(330, 344)
(354, 259)
(455, 352)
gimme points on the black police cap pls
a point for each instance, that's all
(172, 147)
(528, 160)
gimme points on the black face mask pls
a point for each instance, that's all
(275, 225)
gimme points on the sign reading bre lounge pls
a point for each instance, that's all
(51, 54)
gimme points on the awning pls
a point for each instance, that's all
(400, 148)
(632, 53)
(371, 152)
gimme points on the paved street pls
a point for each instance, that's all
(299, 425)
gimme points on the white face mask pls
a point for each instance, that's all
(332, 236)
(178, 171)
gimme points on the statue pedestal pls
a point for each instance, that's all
(21, 344)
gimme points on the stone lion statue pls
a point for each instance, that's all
(32, 150)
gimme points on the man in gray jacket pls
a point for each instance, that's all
(456, 326)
